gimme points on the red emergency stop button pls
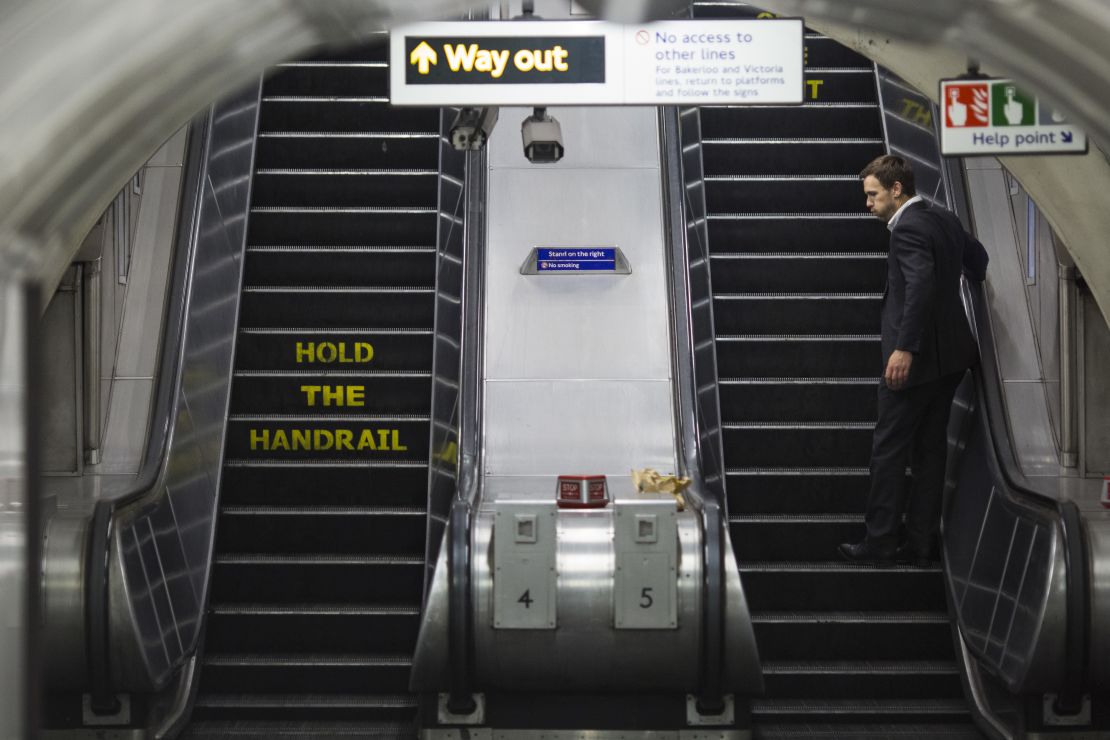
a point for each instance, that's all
(582, 492)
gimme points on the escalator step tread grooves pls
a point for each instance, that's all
(798, 272)
(319, 561)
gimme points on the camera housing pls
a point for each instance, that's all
(543, 138)
(472, 127)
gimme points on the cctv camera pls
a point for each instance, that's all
(543, 138)
(472, 127)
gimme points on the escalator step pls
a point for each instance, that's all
(841, 586)
(807, 537)
(346, 187)
(325, 579)
(264, 437)
(792, 272)
(311, 673)
(908, 711)
(812, 120)
(803, 235)
(797, 490)
(784, 194)
(812, 730)
(337, 392)
(357, 113)
(798, 356)
(302, 349)
(340, 226)
(784, 313)
(734, 156)
(840, 636)
(294, 150)
(315, 707)
(898, 679)
(763, 445)
(288, 629)
(358, 483)
(323, 529)
(355, 78)
(262, 730)
(802, 399)
(337, 308)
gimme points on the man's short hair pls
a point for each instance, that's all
(889, 169)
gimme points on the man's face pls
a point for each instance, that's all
(881, 201)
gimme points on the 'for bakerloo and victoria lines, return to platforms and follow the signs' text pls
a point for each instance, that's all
(476, 63)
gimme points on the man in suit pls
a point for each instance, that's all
(927, 346)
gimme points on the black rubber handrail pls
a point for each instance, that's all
(1018, 493)
(98, 550)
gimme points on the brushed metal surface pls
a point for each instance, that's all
(575, 326)
(1098, 548)
(585, 652)
(587, 427)
(63, 589)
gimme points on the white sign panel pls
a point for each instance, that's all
(988, 116)
(718, 62)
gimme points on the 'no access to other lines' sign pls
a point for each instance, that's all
(988, 116)
(597, 63)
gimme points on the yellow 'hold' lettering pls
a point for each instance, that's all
(334, 352)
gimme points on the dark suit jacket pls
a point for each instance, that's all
(922, 311)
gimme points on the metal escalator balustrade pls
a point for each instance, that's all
(797, 269)
(319, 566)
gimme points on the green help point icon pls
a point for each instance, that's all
(1012, 107)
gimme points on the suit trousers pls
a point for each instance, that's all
(911, 431)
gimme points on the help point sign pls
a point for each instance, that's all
(987, 116)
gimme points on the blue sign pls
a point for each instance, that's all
(570, 259)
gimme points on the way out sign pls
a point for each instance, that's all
(476, 63)
(988, 116)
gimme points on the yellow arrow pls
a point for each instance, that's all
(423, 56)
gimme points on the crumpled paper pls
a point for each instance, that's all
(649, 480)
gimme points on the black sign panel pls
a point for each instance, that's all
(509, 60)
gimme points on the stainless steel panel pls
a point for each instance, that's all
(125, 435)
(568, 326)
(645, 588)
(595, 138)
(585, 652)
(150, 260)
(64, 601)
(1005, 278)
(14, 509)
(524, 566)
(172, 153)
(1098, 547)
(62, 373)
(1031, 430)
(1095, 393)
(554, 427)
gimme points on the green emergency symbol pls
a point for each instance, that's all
(1012, 107)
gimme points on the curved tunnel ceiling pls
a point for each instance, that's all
(88, 90)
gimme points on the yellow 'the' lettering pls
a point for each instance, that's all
(814, 86)
(335, 395)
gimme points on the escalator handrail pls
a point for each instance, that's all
(1016, 491)
(706, 500)
(160, 425)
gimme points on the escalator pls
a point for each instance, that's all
(798, 267)
(319, 560)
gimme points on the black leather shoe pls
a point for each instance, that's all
(909, 553)
(867, 552)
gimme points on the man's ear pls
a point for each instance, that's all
(896, 189)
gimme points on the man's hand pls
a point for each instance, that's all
(897, 369)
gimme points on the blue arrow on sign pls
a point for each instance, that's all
(1067, 136)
